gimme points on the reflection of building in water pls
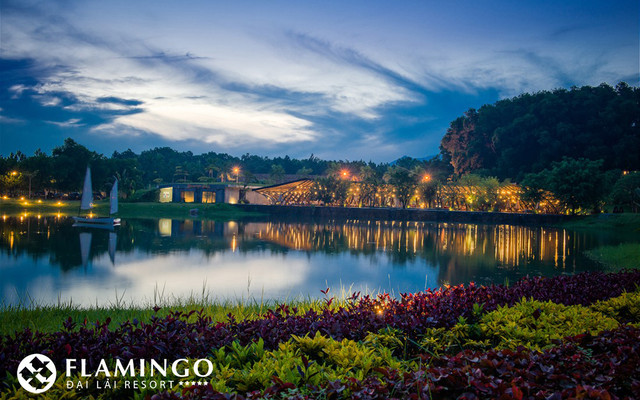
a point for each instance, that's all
(506, 245)
(497, 245)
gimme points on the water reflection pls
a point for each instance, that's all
(148, 260)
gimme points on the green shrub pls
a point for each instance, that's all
(144, 195)
(461, 336)
(624, 308)
(535, 324)
(346, 357)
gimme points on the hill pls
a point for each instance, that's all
(526, 133)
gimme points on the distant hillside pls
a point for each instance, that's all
(526, 133)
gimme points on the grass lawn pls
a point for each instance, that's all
(626, 222)
(14, 207)
(49, 318)
(626, 255)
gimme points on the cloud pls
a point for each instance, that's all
(118, 101)
(72, 123)
(284, 82)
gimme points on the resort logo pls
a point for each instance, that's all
(36, 373)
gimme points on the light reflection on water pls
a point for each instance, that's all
(47, 260)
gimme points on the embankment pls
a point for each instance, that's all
(343, 213)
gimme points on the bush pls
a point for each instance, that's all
(144, 195)
(624, 308)
(537, 325)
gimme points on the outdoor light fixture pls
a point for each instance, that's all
(236, 170)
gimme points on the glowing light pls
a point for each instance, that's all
(5, 197)
(426, 178)
(39, 201)
(14, 173)
(21, 197)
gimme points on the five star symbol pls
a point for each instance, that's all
(192, 383)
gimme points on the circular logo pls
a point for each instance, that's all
(36, 373)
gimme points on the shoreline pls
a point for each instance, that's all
(408, 214)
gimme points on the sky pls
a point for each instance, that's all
(342, 80)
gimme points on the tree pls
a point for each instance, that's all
(403, 182)
(466, 144)
(329, 190)
(626, 192)
(304, 172)
(533, 189)
(180, 174)
(11, 181)
(369, 184)
(482, 192)
(428, 191)
(70, 162)
(577, 183)
(525, 134)
(277, 173)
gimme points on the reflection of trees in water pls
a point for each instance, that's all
(51, 238)
(459, 250)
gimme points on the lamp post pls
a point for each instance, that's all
(30, 175)
(236, 170)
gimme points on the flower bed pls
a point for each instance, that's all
(470, 341)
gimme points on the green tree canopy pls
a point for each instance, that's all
(527, 133)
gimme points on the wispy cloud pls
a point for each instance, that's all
(278, 84)
(72, 123)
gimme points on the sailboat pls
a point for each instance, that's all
(86, 203)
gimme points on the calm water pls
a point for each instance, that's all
(48, 260)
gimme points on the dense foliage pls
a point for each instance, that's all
(566, 149)
(525, 134)
(454, 341)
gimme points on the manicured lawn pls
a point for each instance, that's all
(14, 207)
(625, 255)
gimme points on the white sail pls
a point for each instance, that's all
(113, 197)
(87, 192)
(113, 238)
(85, 247)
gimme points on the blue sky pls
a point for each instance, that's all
(372, 80)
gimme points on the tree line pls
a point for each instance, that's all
(63, 171)
(581, 145)
(525, 134)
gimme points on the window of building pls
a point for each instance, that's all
(166, 195)
(208, 197)
(187, 196)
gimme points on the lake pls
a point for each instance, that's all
(48, 261)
